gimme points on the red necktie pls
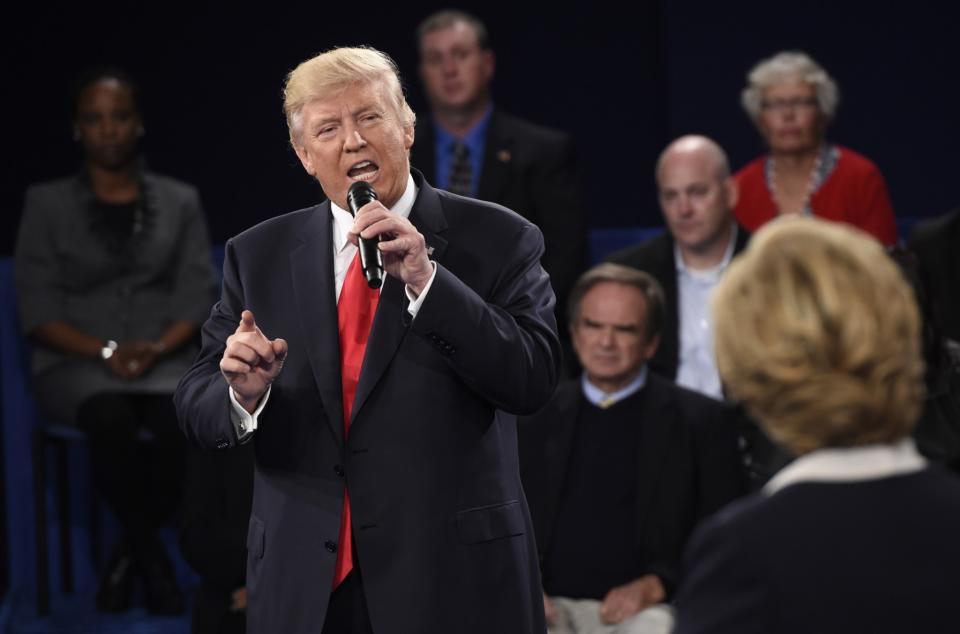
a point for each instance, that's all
(355, 310)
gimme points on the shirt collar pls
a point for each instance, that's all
(343, 219)
(472, 139)
(708, 274)
(849, 464)
(597, 396)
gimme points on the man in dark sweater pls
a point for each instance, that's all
(620, 465)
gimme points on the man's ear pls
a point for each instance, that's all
(304, 157)
(731, 191)
(650, 348)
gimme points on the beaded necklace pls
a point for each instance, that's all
(823, 165)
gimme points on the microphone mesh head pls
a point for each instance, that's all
(359, 194)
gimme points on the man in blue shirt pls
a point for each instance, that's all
(470, 147)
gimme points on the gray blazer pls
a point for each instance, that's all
(63, 272)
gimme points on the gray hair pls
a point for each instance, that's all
(786, 66)
(627, 276)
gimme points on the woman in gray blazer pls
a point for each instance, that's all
(113, 276)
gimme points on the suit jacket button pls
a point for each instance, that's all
(330, 546)
(338, 470)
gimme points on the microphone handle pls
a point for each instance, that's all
(371, 261)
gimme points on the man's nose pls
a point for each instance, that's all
(354, 140)
(449, 65)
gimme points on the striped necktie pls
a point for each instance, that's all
(461, 171)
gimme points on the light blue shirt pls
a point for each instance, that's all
(698, 364)
(605, 399)
(443, 146)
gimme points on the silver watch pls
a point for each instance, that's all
(108, 349)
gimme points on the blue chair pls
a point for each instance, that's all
(26, 434)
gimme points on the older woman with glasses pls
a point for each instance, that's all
(791, 99)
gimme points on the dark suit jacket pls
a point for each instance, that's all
(441, 527)
(935, 242)
(531, 170)
(655, 256)
(687, 467)
(872, 556)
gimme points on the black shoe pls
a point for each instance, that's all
(115, 592)
(161, 595)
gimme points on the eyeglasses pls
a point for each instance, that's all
(782, 105)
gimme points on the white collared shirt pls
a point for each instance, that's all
(697, 368)
(849, 464)
(605, 399)
(343, 253)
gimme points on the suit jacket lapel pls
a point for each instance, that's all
(311, 265)
(391, 322)
(657, 422)
(498, 155)
(558, 445)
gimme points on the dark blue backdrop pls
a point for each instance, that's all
(623, 81)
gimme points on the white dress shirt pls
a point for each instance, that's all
(605, 399)
(697, 369)
(343, 254)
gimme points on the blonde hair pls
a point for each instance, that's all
(786, 66)
(817, 333)
(334, 70)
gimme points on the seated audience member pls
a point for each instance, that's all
(792, 100)
(697, 196)
(217, 498)
(470, 147)
(113, 277)
(936, 244)
(619, 465)
(818, 334)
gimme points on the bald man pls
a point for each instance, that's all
(697, 196)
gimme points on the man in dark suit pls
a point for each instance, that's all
(935, 243)
(472, 148)
(386, 493)
(620, 465)
(697, 196)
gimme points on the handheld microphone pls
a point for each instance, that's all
(371, 260)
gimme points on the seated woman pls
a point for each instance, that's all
(791, 100)
(113, 276)
(818, 335)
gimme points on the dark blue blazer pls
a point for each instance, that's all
(441, 528)
(874, 556)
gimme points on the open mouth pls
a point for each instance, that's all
(363, 171)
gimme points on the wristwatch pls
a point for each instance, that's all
(108, 349)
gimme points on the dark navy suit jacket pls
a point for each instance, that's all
(874, 556)
(441, 528)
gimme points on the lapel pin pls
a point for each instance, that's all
(504, 156)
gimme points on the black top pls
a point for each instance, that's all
(594, 544)
(873, 556)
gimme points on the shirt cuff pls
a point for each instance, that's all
(416, 302)
(243, 421)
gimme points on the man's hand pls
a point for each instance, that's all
(403, 247)
(251, 362)
(549, 611)
(624, 601)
